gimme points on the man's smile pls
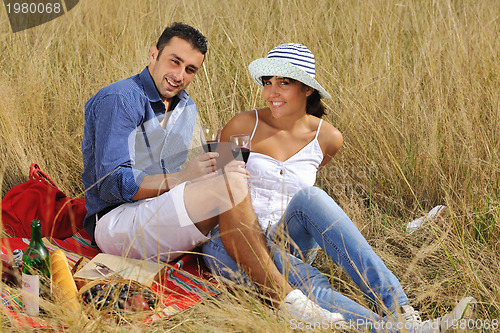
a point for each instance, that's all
(172, 83)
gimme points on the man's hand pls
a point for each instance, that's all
(201, 167)
(235, 167)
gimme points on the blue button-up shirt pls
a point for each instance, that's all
(123, 141)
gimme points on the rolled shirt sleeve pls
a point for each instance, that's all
(110, 117)
(113, 165)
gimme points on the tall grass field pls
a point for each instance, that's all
(416, 95)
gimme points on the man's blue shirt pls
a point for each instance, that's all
(123, 140)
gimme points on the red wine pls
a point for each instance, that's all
(241, 153)
(210, 146)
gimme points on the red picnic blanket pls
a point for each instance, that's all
(184, 284)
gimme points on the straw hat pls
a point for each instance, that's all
(291, 60)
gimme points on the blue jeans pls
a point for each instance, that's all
(312, 218)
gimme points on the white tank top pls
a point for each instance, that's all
(273, 183)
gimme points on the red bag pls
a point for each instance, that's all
(40, 198)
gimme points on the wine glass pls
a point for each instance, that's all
(240, 146)
(210, 137)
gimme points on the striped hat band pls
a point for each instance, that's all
(291, 60)
(296, 54)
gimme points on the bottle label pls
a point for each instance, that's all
(31, 293)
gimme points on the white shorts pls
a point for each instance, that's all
(158, 229)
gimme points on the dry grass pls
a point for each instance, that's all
(416, 88)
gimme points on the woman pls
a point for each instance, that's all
(289, 143)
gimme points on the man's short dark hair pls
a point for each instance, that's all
(184, 31)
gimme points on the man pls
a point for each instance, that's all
(141, 203)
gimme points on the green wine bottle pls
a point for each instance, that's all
(36, 277)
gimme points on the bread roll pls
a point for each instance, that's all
(63, 285)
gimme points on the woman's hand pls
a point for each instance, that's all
(237, 167)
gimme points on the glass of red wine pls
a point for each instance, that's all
(240, 146)
(210, 137)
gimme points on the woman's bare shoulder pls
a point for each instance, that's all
(329, 130)
(241, 123)
(330, 138)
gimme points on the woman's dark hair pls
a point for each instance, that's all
(314, 106)
(184, 31)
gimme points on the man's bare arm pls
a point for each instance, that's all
(155, 185)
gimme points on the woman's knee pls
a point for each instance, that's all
(318, 207)
(311, 197)
(311, 193)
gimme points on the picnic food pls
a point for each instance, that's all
(137, 303)
(63, 284)
(116, 295)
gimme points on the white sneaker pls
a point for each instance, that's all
(297, 306)
(408, 316)
(449, 323)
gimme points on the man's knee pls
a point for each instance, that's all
(236, 186)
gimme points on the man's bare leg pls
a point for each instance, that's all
(245, 242)
(227, 196)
